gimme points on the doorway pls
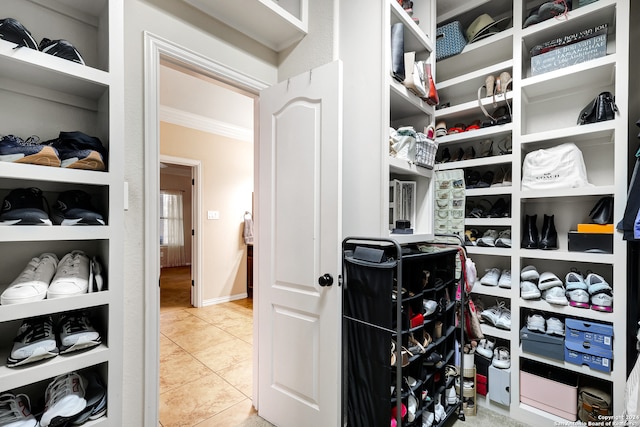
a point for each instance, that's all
(156, 51)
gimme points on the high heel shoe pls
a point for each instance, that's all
(549, 236)
(489, 84)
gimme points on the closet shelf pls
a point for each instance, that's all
(564, 255)
(585, 370)
(415, 40)
(601, 132)
(492, 331)
(567, 310)
(482, 161)
(483, 133)
(493, 291)
(51, 306)
(542, 195)
(35, 233)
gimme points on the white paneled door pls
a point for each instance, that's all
(299, 250)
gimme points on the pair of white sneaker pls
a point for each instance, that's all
(46, 277)
(496, 277)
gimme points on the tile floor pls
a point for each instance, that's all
(205, 358)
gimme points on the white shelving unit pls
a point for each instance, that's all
(545, 110)
(275, 23)
(44, 95)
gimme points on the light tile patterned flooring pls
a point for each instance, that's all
(205, 358)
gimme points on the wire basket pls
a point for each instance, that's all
(425, 151)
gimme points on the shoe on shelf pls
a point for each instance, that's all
(574, 280)
(429, 306)
(578, 298)
(428, 418)
(439, 412)
(602, 301)
(501, 358)
(61, 49)
(491, 277)
(74, 207)
(504, 321)
(536, 323)
(485, 347)
(555, 295)
(500, 209)
(75, 332)
(530, 237)
(80, 151)
(34, 341)
(31, 285)
(96, 397)
(15, 411)
(504, 239)
(25, 206)
(596, 284)
(555, 326)
(452, 397)
(548, 280)
(432, 359)
(529, 273)
(505, 279)
(412, 407)
(15, 149)
(72, 276)
(488, 239)
(13, 31)
(529, 290)
(492, 314)
(548, 234)
(65, 400)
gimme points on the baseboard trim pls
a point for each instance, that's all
(221, 300)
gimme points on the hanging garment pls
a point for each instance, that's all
(247, 232)
(628, 223)
(632, 396)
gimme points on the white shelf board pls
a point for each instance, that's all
(263, 20)
(11, 378)
(415, 40)
(462, 110)
(35, 233)
(597, 73)
(561, 255)
(602, 131)
(27, 172)
(567, 192)
(491, 191)
(566, 310)
(478, 134)
(35, 68)
(51, 306)
(488, 222)
(468, 84)
(411, 238)
(492, 331)
(406, 104)
(404, 167)
(493, 291)
(480, 161)
(480, 250)
(581, 369)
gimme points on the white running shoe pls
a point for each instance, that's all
(529, 273)
(578, 298)
(535, 322)
(31, 285)
(555, 326)
(491, 277)
(492, 314)
(504, 321)
(35, 341)
(76, 332)
(501, 358)
(64, 399)
(555, 295)
(602, 302)
(72, 276)
(529, 290)
(505, 279)
(574, 280)
(15, 411)
(485, 347)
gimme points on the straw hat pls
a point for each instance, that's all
(485, 26)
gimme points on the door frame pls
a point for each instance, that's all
(195, 293)
(155, 49)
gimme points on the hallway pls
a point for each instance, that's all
(205, 359)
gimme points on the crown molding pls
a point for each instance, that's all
(205, 124)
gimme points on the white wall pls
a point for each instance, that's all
(184, 26)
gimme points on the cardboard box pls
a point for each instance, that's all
(565, 56)
(590, 242)
(499, 384)
(590, 336)
(596, 228)
(550, 389)
(542, 344)
(595, 358)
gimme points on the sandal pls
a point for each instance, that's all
(548, 280)
(529, 273)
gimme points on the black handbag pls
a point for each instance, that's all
(602, 211)
(602, 108)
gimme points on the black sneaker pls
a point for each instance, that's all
(62, 49)
(80, 151)
(75, 332)
(74, 208)
(15, 149)
(13, 31)
(35, 341)
(24, 206)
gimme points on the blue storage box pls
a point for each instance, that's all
(590, 336)
(595, 358)
(450, 40)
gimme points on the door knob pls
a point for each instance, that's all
(325, 280)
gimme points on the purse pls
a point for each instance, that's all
(432, 92)
(397, 51)
(602, 108)
(602, 211)
(594, 405)
(413, 79)
(557, 167)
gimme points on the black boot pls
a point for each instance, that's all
(549, 237)
(530, 232)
